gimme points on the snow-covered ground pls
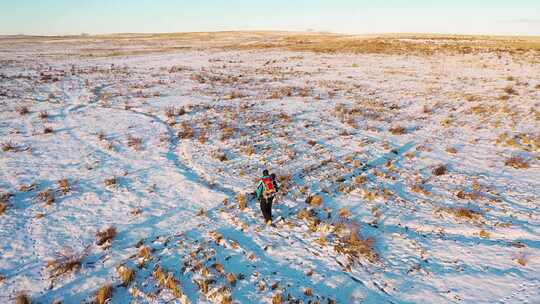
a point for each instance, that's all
(428, 168)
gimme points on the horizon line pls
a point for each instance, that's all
(429, 34)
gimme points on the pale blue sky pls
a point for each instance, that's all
(46, 17)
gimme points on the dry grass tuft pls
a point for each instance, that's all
(467, 214)
(249, 150)
(398, 130)
(22, 298)
(66, 262)
(236, 95)
(64, 186)
(522, 261)
(353, 246)
(105, 236)
(303, 214)
(227, 132)
(277, 298)
(134, 142)
(361, 246)
(167, 280)
(48, 130)
(46, 196)
(22, 110)
(451, 150)
(3, 207)
(44, 115)
(203, 285)
(440, 170)
(186, 131)
(4, 198)
(126, 275)
(344, 213)
(171, 112)
(219, 268)
(221, 156)
(201, 212)
(104, 294)
(101, 136)
(242, 201)
(145, 254)
(314, 200)
(203, 137)
(231, 278)
(517, 162)
(360, 179)
(510, 91)
(9, 147)
(28, 188)
(484, 234)
(469, 195)
(111, 181)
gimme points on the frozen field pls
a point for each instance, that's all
(407, 178)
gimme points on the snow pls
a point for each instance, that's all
(174, 195)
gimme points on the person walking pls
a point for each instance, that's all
(266, 191)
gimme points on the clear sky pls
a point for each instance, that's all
(48, 17)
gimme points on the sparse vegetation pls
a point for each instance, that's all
(47, 197)
(167, 280)
(172, 112)
(22, 110)
(22, 298)
(517, 162)
(104, 294)
(134, 142)
(465, 213)
(398, 130)
(126, 275)
(440, 170)
(510, 90)
(48, 130)
(277, 298)
(105, 236)
(109, 182)
(186, 131)
(44, 115)
(64, 186)
(3, 207)
(356, 247)
(66, 262)
(314, 200)
(484, 234)
(145, 254)
(231, 278)
(242, 201)
(9, 147)
(378, 147)
(522, 261)
(219, 155)
(4, 197)
(344, 213)
(101, 136)
(451, 150)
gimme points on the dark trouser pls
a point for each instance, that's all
(266, 207)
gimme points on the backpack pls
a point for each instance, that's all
(269, 189)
